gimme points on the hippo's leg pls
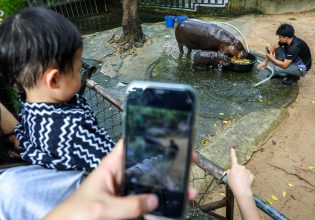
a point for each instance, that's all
(181, 47)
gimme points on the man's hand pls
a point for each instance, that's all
(262, 65)
(97, 197)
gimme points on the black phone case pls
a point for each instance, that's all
(165, 209)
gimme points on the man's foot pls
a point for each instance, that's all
(288, 80)
(277, 77)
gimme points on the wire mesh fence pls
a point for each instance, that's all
(109, 115)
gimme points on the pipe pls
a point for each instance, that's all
(220, 174)
(246, 44)
(268, 67)
(268, 78)
(219, 22)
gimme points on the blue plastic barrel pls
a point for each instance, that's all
(181, 18)
(169, 21)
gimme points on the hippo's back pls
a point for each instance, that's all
(195, 34)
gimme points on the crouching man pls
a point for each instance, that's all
(291, 56)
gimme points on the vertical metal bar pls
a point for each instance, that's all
(70, 3)
(105, 5)
(91, 6)
(86, 8)
(54, 5)
(96, 7)
(63, 14)
(229, 210)
(76, 8)
(81, 8)
(66, 10)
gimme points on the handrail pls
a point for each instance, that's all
(220, 174)
(102, 91)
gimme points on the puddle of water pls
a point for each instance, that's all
(227, 94)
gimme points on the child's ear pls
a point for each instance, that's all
(51, 78)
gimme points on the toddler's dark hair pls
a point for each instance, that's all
(34, 39)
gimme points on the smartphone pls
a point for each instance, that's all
(158, 138)
(267, 50)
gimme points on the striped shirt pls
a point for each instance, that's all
(62, 136)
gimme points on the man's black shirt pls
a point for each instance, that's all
(298, 51)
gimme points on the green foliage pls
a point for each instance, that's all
(11, 6)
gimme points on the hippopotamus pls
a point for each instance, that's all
(210, 58)
(195, 34)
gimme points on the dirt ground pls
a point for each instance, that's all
(284, 166)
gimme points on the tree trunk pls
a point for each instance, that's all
(132, 31)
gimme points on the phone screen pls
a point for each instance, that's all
(158, 139)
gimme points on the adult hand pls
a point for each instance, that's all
(7, 125)
(97, 197)
(240, 181)
(270, 57)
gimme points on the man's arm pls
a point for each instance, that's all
(264, 63)
(283, 64)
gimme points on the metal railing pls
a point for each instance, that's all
(108, 112)
(188, 5)
(72, 8)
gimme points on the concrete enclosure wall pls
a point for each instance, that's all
(285, 6)
(269, 6)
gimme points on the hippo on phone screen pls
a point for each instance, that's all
(195, 34)
(210, 58)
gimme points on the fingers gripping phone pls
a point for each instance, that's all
(158, 138)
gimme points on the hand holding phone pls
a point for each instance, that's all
(158, 136)
(267, 50)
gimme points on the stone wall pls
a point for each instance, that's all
(284, 6)
(237, 7)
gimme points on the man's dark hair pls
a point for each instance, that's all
(34, 39)
(285, 30)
